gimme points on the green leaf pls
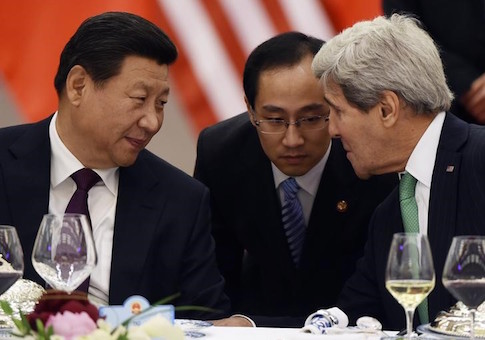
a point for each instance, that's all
(40, 328)
(123, 336)
(24, 324)
(20, 326)
(50, 331)
(42, 332)
(6, 307)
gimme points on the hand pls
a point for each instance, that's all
(474, 99)
(233, 321)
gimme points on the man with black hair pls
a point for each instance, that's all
(289, 214)
(150, 221)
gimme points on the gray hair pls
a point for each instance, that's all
(385, 54)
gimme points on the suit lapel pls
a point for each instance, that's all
(27, 188)
(442, 212)
(338, 178)
(263, 214)
(138, 211)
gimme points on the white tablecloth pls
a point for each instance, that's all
(261, 333)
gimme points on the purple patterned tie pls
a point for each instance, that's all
(85, 179)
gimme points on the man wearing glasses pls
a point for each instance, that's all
(289, 214)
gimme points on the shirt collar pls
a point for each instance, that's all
(309, 181)
(421, 162)
(64, 163)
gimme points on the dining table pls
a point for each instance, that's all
(266, 333)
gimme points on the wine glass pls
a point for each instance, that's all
(64, 253)
(11, 264)
(410, 273)
(464, 273)
(11, 257)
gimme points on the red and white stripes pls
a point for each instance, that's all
(216, 36)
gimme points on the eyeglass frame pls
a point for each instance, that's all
(297, 123)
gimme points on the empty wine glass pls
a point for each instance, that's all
(410, 275)
(464, 273)
(11, 257)
(64, 253)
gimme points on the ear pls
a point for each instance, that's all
(250, 111)
(76, 82)
(389, 108)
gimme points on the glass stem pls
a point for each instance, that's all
(472, 323)
(409, 322)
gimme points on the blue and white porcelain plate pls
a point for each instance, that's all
(192, 328)
(192, 324)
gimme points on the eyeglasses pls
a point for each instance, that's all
(278, 125)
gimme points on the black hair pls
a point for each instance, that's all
(102, 42)
(286, 49)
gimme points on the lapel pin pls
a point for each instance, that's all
(450, 168)
(342, 206)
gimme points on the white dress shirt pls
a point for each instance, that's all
(101, 204)
(421, 164)
(308, 183)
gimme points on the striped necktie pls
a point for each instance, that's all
(410, 219)
(293, 220)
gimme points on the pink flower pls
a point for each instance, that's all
(55, 301)
(70, 325)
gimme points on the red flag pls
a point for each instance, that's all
(214, 37)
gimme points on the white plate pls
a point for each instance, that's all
(192, 328)
(192, 324)
(428, 330)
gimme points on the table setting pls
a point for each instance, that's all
(64, 256)
(410, 278)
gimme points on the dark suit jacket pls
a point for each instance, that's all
(251, 246)
(161, 243)
(458, 27)
(456, 207)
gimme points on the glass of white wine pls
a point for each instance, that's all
(464, 273)
(64, 253)
(410, 275)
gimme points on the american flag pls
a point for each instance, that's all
(214, 37)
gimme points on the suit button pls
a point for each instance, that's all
(342, 206)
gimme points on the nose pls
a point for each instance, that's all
(151, 121)
(293, 137)
(333, 129)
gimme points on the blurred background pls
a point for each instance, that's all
(214, 37)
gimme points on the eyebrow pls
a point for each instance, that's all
(272, 108)
(329, 102)
(166, 91)
(146, 87)
(311, 107)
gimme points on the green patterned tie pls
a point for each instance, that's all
(410, 220)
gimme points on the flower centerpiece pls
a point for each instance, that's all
(59, 315)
